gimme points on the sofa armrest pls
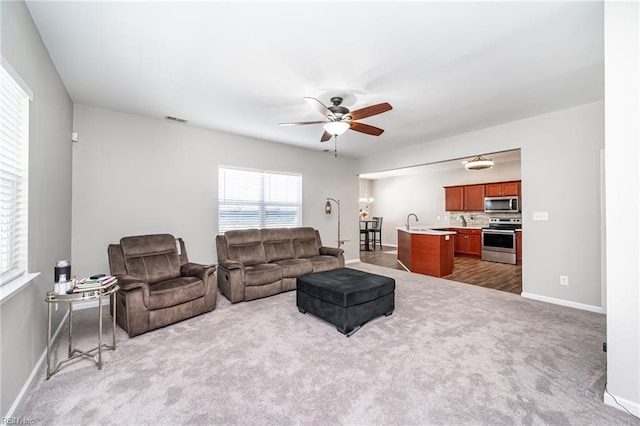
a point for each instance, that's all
(206, 273)
(231, 265)
(231, 279)
(128, 283)
(331, 251)
(191, 269)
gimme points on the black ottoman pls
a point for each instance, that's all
(347, 298)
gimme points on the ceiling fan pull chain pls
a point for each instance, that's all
(335, 146)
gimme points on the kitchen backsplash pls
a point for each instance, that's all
(475, 219)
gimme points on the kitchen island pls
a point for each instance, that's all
(426, 251)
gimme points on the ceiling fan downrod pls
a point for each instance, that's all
(338, 110)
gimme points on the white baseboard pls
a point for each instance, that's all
(390, 245)
(346, 262)
(24, 389)
(402, 264)
(568, 303)
(621, 403)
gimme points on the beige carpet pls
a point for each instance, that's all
(450, 354)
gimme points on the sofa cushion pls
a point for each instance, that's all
(151, 257)
(292, 268)
(175, 292)
(245, 246)
(277, 244)
(305, 242)
(263, 273)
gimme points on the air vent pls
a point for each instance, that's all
(176, 119)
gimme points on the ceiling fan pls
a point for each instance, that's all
(339, 119)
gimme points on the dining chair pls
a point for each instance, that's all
(376, 231)
(364, 236)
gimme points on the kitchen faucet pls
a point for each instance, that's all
(408, 216)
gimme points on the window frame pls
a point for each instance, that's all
(14, 180)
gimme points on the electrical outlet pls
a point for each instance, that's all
(540, 215)
(564, 280)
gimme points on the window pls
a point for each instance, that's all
(258, 199)
(14, 138)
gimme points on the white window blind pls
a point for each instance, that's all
(14, 138)
(258, 199)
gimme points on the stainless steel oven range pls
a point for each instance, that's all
(499, 239)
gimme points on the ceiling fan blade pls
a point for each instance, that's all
(322, 108)
(326, 136)
(365, 128)
(300, 123)
(369, 111)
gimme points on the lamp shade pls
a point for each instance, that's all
(479, 163)
(336, 128)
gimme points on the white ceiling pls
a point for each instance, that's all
(242, 67)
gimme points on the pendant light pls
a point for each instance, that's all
(479, 163)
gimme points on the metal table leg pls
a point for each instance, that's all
(49, 341)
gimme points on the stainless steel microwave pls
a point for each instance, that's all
(501, 205)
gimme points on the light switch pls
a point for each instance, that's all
(540, 215)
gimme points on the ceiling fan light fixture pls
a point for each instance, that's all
(336, 128)
(479, 163)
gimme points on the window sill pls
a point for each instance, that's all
(10, 289)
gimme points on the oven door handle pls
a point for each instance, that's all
(498, 231)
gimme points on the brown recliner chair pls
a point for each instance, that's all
(158, 285)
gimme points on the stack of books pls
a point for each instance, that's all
(86, 284)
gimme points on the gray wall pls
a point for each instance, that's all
(135, 175)
(560, 160)
(23, 316)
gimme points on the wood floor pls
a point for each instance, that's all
(498, 276)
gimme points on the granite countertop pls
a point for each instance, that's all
(458, 227)
(424, 231)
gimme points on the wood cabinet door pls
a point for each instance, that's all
(511, 189)
(474, 244)
(474, 198)
(453, 198)
(493, 189)
(460, 243)
(519, 247)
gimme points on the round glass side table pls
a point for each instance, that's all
(93, 293)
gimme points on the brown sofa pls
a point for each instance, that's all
(158, 285)
(255, 263)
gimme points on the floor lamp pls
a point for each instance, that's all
(327, 210)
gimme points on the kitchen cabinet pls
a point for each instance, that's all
(467, 241)
(519, 247)
(454, 198)
(502, 189)
(429, 253)
(464, 198)
(474, 198)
